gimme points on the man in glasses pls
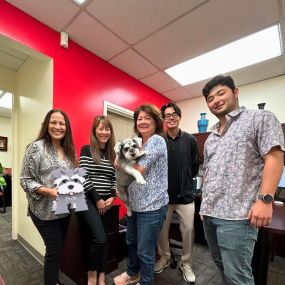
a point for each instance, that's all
(182, 167)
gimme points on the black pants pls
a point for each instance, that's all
(53, 233)
(94, 227)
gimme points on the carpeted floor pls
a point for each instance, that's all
(18, 267)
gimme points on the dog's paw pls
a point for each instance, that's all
(141, 181)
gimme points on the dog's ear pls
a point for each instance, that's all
(79, 171)
(58, 172)
(138, 141)
(118, 147)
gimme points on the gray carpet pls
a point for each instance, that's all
(18, 267)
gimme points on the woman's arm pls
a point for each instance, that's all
(85, 160)
(30, 176)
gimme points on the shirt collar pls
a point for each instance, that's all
(177, 136)
(229, 118)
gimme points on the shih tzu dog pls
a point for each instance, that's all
(127, 153)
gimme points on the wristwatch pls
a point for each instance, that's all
(266, 198)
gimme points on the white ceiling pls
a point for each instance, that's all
(144, 37)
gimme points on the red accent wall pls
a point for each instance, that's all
(82, 81)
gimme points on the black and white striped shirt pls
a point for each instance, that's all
(99, 178)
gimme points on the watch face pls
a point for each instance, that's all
(268, 198)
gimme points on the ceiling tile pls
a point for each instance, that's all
(133, 64)
(259, 72)
(206, 28)
(134, 20)
(89, 33)
(10, 61)
(195, 89)
(178, 94)
(13, 52)
(54, 13)
(160, 81)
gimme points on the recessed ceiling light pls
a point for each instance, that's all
(80, 2)
(249, 50)
(6, 100)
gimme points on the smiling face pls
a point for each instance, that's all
(222, 100)
(145, 125)
(56, 127)
(103, 134)
(171, 118)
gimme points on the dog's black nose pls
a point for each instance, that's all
(70, 186)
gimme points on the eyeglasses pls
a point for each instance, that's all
(169, 116)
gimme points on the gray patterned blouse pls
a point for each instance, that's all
(233, 162)
(152, 195)
(38, 164)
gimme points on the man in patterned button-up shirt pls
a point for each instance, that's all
(243, 160)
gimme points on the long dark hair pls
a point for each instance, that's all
(154, 112)
(66, 142)
(94, 144)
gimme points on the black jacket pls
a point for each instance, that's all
(189, 165)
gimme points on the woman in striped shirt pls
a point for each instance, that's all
(100, 188)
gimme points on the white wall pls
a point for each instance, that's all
(33, 100)
(6, 157)
(269, 91)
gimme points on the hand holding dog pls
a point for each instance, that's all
(48, 192)
(118, 166)
(53, 193)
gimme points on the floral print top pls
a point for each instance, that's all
(152, 195)
(233, 162)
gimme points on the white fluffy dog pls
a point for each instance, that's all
(127, 153)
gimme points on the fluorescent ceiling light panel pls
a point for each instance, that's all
(252, 49)
(6, 100)
(80, 2)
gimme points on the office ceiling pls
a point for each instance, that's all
(144, 37)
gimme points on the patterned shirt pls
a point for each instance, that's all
(234, 164)
(152, 195)
(38, 163)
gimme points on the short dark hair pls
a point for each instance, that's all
(154, 112)
(170, 105)
(218, 80)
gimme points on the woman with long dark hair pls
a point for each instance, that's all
(100, 188)
(53, 149)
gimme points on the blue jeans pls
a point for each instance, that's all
(142, 232)
(231, 244)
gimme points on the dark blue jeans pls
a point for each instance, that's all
(231, 244)
(143, 229)
(53, 233)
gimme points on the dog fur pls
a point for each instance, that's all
(127, 153)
